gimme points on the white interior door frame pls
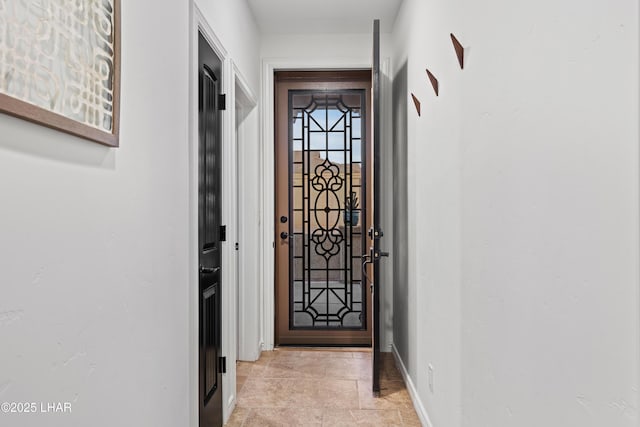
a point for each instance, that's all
(267, 259)
(247, 321)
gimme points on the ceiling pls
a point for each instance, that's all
(323, 16)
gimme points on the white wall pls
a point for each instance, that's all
(427, 265)
(550, 214)
(94, 246)
(523, 272)
(357, 47)
(235, 26)
(95, 295)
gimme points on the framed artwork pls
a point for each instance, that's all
(60, 65)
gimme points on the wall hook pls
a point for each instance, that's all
(459, 50)
(434, 82)
(416, 103)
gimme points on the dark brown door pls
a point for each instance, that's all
(376, 233)
(209, 217)
(323, 206)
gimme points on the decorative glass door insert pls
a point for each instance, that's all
(327, 207)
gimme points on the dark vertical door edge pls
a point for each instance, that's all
(376, 208)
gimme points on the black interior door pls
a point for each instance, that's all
(209, 237)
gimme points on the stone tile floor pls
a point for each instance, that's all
(320, 387)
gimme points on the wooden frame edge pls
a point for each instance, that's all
(38, 115)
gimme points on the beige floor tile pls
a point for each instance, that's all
(250, 369)
(298, 393)
(362, 417)
(325, 393)
(265, 393)
(258, 369)
(237, 417)
(240, 380)
(330, 387)
(393, 395)
(265, 358)
(377, 417)
(410, 418)
(294, 368)
(243, 369)
(284, 417)
(309, 354)
(353, 369)
(389, 370)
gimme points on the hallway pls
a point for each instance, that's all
(510, 210)
(321, 387)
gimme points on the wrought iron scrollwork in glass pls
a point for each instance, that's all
(327, 237)
(326, 152)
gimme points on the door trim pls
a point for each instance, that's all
(360, 83)
(267, 116)
(247, 332)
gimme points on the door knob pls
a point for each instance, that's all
(284, 235)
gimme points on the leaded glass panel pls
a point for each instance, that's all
(327, 202)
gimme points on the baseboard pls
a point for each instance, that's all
(231, 405)
(411, 388)
(258, 351)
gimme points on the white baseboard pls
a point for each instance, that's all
(231, 405)
(411, 388)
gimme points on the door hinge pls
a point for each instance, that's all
(223, 233)
(222, 363)
(222, 101)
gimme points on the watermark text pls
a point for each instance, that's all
(35, 407)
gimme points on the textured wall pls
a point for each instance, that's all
(522, 182)
(93, 287)
(550, 214)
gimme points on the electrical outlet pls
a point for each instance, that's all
(430, 377)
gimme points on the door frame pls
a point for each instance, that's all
(230, 77)
(246, 302)
(317, 82)
(267, 117)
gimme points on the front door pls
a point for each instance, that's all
(376, 232)
(323, 203)
(209, 237)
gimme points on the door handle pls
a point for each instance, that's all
(366, 259)
(284, 235)
(205, 270)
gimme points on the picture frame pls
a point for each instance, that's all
(60, 66)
